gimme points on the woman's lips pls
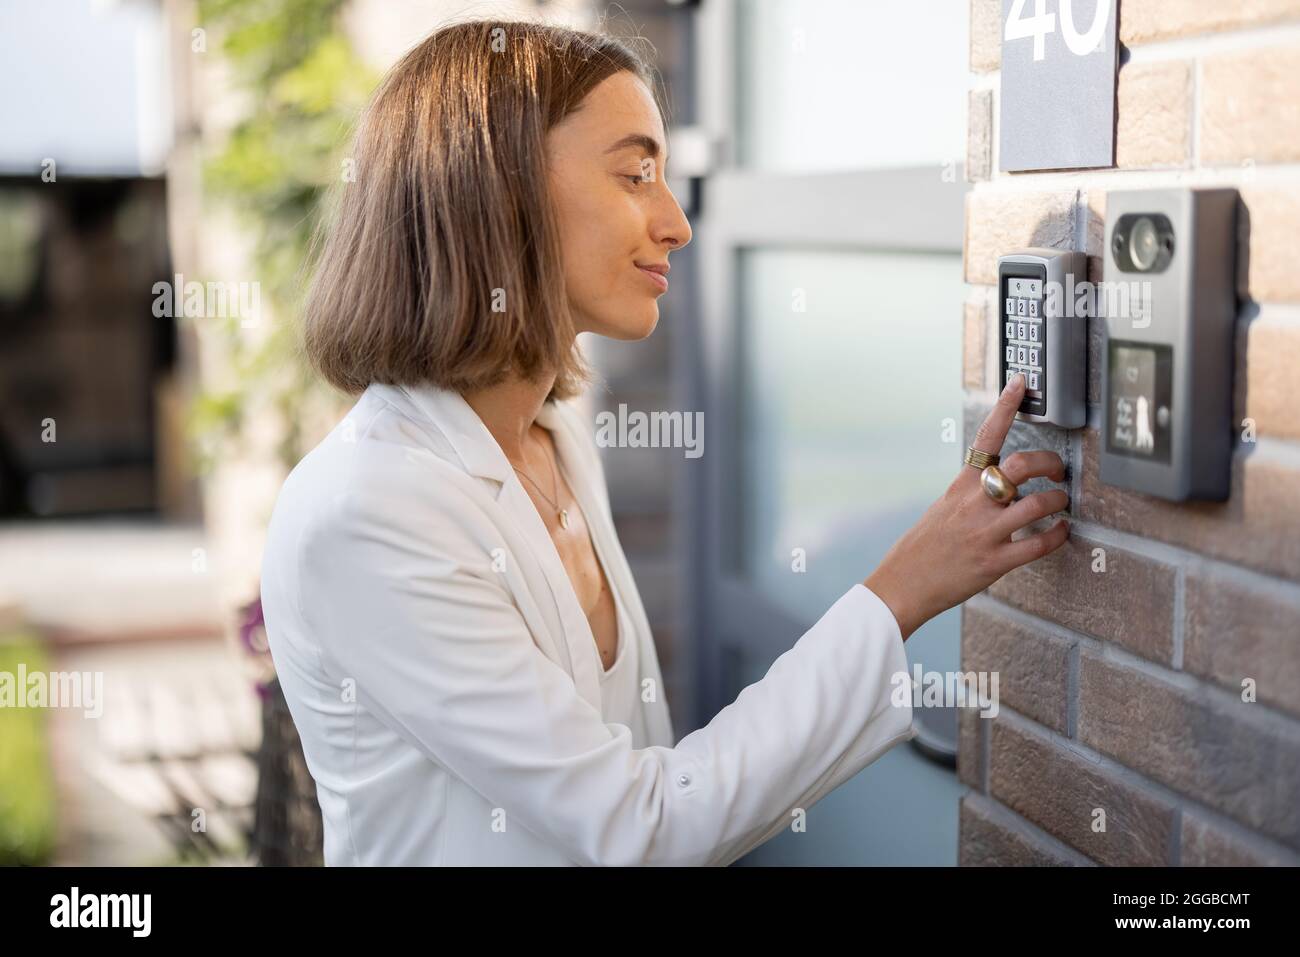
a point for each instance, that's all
(658, 279)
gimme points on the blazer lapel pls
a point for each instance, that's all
(585, 485)
(482, 456)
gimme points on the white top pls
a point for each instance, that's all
(446, 685)
(620, 686)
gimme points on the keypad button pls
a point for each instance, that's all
(1011, 330)
(1011, 306)
(1032, 384)
(1020, 307)
(1033, 332)
(1033, 358)
(1033, 308)
(1022, 331)
(1022, 355)
(1011, 373)
(1011, 353)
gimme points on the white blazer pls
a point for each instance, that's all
(445, 681)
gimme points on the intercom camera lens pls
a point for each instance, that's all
(1145, 245)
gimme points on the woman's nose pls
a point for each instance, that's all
(672, 227)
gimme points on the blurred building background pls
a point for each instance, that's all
(830, 319)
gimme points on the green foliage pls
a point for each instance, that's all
(27, 801)
(305, 88)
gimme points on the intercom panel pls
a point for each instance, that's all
(1170, 313)
(1041, 336)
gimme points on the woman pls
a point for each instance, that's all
(451, 617)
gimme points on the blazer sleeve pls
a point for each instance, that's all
(408, 606)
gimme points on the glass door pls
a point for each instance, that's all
(829, 269)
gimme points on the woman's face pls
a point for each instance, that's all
(606, 165)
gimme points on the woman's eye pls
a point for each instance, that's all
(637, 179)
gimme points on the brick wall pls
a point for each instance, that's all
(1121, 684)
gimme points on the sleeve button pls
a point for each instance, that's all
(683, 780)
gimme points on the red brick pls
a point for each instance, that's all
(1131, 603)
(1033, 667)
(1142, 21)
(1205, 844)
(1044, 781)
(1236, 629)
(985, 838)
(1258, 527)
(1240, 762)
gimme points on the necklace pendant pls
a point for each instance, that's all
(564, 518)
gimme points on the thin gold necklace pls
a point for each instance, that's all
(562, 513)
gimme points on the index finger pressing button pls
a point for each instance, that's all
(993, 430)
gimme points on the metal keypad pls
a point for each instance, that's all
(1048, 341)
(1023, 334)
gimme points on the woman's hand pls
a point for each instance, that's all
(962, 544)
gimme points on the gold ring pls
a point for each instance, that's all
(997, 486)
(980, 460)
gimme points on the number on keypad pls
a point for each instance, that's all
(1023, 328)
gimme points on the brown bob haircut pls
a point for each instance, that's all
(442, 264)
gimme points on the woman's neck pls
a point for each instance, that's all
(509, 410)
